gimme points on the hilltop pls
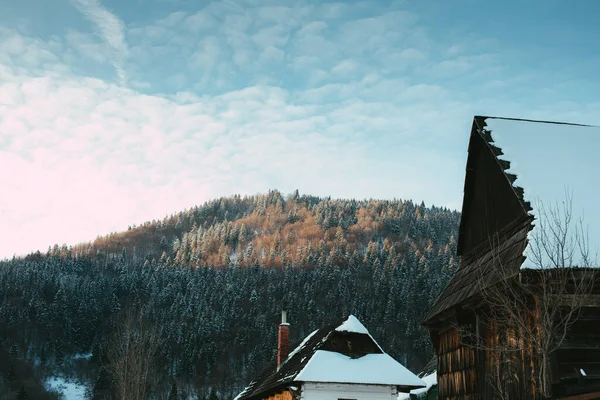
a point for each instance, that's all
(271, 230)
(209, 283)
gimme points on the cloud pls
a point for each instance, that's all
(345, 68)
(111, 29)
(464, 64)
(93, 157)
(87, 47)
(343, 99)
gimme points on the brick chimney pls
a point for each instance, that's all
(283, 343)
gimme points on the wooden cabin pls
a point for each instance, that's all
(515, 170)
(338, 361)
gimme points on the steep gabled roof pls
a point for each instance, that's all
(496, 208)
(341, 352)
(478, 132)
(484, 216)
(546, 159)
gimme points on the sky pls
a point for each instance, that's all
(116, 112)
(558, 180)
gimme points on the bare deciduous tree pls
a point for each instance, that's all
(131, 354)
(531, 311)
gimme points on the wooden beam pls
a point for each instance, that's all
(591, 300)
(586, 396)
(581, 344)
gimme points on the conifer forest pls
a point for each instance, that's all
(203, 291)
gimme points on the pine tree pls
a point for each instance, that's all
(173, 393)
(213, 395)
(22, 394)
(217, 322)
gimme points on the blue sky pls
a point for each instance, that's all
(556, 165)
(116, 112)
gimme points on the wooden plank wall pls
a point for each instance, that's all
(500, 366)
(457, 373)
(510, 370)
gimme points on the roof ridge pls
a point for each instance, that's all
(483, 118)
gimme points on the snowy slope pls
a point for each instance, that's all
(69, 389)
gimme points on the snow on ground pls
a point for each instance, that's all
(81, 356)
(352, 324)
(429, 380)
(376, 369)
(68, 389)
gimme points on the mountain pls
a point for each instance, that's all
(205, 287)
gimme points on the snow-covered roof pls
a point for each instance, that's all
(352, 324)
(375, 369)
(318, 358)
(429, 381)
(552, 161)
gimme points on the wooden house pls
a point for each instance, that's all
(338, 361)
(514, 167)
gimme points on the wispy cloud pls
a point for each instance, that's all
(111, 29)
(346, 100)
(115, 156)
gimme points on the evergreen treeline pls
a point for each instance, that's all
(210, 283)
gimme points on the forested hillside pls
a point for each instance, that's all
(206, 287)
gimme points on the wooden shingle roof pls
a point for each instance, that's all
(477, 270)
(494, 210)
(479, 130)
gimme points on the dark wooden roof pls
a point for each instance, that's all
(477, 270)
(479, 131)
(272, 380)
(494, 213)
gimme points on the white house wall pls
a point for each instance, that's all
(335, 391)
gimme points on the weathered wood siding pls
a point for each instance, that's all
(457, 368)
(509, 370)
(351, 344)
